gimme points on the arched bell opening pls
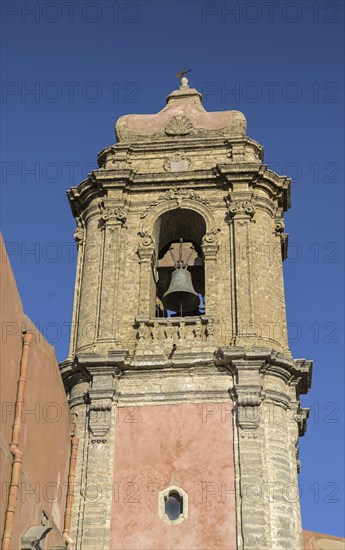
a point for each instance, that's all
(180, 266)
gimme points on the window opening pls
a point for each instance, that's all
(173, 505)
(180, 288)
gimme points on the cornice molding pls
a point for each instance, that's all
(119, 151)
(296, 373)
(253, 174)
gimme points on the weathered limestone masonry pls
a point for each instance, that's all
(201, 170)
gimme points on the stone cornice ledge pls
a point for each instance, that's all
(94, 186)
(297, 373)
(174, 361)
(83, 367)
(260, 176)
(97, 364)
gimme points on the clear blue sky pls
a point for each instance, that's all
(91, 62)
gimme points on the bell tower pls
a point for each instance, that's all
(184, 391)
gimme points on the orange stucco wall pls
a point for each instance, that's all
(45, 439)
(160, 446)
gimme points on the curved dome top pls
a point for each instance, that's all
(183, 116)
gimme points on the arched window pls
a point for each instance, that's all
(173, 505)
(179, 236)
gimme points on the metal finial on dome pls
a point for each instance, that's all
(184, 80)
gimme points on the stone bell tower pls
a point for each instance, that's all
(188, 418)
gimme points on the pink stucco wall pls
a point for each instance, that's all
(44, 439)
(160, 446)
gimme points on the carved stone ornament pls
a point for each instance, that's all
(146, 237)
(177, 195)
(178, 125)
(279, 226)
(177, 163)
(211, 236)
(117, 214)
(248, 400)
(120, 214)
(248, 396)
(100, 419)
(79, 233)
(301, 419)
(241, 207)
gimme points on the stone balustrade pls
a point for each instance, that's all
(161, 333)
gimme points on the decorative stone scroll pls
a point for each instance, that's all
(279, 229)
(79, 233)
(118, 214)
(279, 225)
(178, 195)
(241, 207)
(248, 399)
(301, 419)
(146, 238)
(210, 244)
(211, 236)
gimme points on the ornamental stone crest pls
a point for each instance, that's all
(177, 195)
(178, 125)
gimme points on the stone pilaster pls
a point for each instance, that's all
(112, 218)
(146, 253)
(240, 214)
(93, 395)
(77, 383)
(89, 300)
(265, 392)
(210, 248)
(79, 237)
(247, 395)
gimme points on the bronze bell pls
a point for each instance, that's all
(181, 296)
